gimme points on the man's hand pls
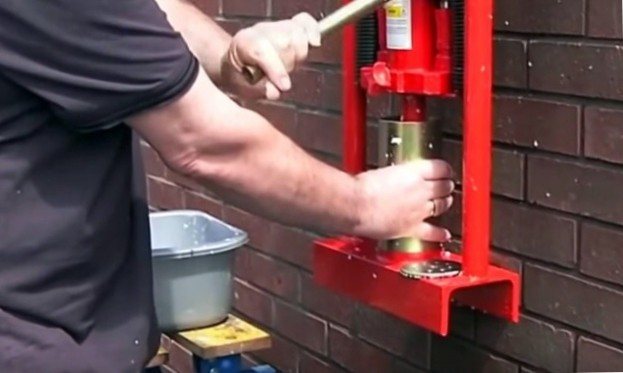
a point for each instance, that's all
(276, 48)
(397, 200)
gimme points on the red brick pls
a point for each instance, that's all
(209, 7)
(250, 8)
(594, 356)
(449, 112)
(532, 341)
(403, 367)
(576, 68)
(164, 195)
(152, 162)
(510, 62)
(452, 152)
(311, 364)
(289, 8)
(232, 26)
(280, 115)
(394, 335)
(575, 187)
(603, 133)
(292, 245)
(330, 51)
(184, 182)
(329, 159)
(452, 219)
(301, 327)
(462, 322)
(372, 145)
(383, 106)
(333, 307)
(267, 273)
(508, 168)
(541, 16)
(307, 87)
(180, 359)
(574, 301)
(537, 123)
(253, 302)
(331, 5)
(355, 355)
(320, 131)
(602, 253)
(284, 355)
(506, 261)
(604, 19)
(257, 228)
(332, 90)
(451, 355)
(534, 233)
(203, 203)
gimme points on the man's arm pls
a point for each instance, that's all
(238, 154)
(275, 47)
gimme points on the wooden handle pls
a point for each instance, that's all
(342, 16)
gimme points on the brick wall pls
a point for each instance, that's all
(558, 210)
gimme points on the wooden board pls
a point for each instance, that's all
(234, 336)
(162, 356)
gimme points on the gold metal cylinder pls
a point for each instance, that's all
(401, 142)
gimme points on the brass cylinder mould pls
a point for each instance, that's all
(400, 142)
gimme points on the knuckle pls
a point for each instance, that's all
(302, 16)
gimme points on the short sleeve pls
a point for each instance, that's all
(94, 62)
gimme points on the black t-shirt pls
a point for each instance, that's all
(75, 268)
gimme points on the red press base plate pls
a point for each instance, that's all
(352, 267)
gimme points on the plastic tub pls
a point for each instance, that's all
(192, 254)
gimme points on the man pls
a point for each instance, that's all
(76, 78)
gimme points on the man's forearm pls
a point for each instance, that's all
(269, 175)
(205, 38)
(242, 157)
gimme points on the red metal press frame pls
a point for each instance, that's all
(353, 104)
(354, 267)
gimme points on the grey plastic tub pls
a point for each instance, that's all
(192, 255)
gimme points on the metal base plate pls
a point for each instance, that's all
(352, 266)
(431, 269)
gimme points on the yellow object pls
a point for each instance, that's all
(395, 11)
(231, 337)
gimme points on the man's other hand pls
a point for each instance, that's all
(397, 200)
(276, 48)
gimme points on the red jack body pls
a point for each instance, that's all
(418, 61)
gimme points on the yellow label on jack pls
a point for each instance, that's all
(398, 14)
(395, 10)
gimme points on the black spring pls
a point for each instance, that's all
(367, 41)
(458, 43)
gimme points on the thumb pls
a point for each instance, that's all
(272, 92)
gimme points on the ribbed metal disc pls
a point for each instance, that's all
(431, 269)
